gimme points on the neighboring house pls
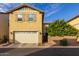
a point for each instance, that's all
(25, 25)
(74, 22)
(3, 25)
(46, 25)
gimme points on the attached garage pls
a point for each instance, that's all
(26, 37)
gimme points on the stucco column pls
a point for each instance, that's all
(40, 39)
(11, 38)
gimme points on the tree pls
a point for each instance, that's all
(61, 28)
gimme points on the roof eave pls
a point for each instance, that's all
(23, 5)
(73, 18)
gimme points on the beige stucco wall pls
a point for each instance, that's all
(3, 25)
(25, 25)
(75, 23)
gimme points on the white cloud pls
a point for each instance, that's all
(52, 12)
(6, 6)
(3, 7)
(54, 9)
(2, 10)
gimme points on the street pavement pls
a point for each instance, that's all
(52, 51)
(57, 52)
(18, 51)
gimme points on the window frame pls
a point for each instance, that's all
(18, 18)
(34, 19)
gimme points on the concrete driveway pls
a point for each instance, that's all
(20, 49)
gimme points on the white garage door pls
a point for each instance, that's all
(26, 37)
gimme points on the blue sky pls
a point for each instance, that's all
(53, 11)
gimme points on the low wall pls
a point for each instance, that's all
(55, 40)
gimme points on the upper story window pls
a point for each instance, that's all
(19, 17)
(31, 17)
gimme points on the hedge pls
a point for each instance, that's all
(61, 28)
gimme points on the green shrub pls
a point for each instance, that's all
(63, 42)
(61, 28)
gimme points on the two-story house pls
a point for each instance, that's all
(25, 25)
(74, 22)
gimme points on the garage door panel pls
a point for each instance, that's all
(26, 37)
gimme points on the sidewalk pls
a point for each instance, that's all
(45, 45)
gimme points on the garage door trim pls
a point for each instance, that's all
(19, 31)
